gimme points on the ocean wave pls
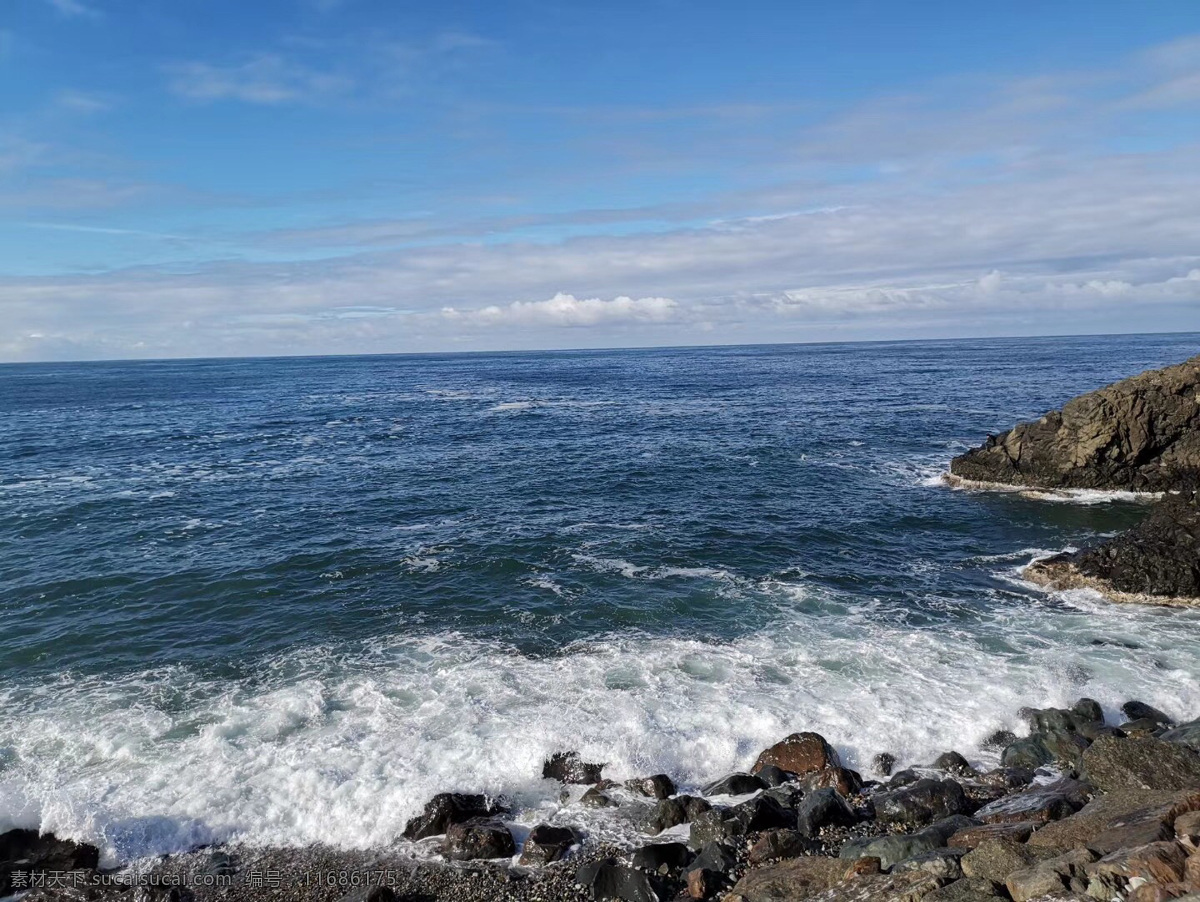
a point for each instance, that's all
(342, 744)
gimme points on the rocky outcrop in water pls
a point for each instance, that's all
(1141, 434)
(1156, 562)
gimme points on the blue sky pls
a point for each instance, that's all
(201, 177)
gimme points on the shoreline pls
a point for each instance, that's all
(1060, 575)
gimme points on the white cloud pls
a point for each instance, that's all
(567, 310)
(267, 79)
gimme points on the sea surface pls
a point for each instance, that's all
(286, 600)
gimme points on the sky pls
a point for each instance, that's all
(215, 177)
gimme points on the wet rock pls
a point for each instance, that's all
(921, 802)
(27, 850)
(547, 843)
(448, 808)
(1137, 434)
(1008, 778)
(779, 844)
(845, 781)
(1028, 753)
(883, 763)
(662, 858)
(1113, 764)
(1088, 710)
(973, 837)
(905, 777)
(478, 838)
(609, 879)
(734, 785)
(799, 753)
(719, 825)
(672, 812)
(1140, 729)
(568, 767)
(659, 786)
(788, 795)
(774, 776)
(715, 857)
(1185, 734)
(817, 809)
(1039, 804)
(954, 763)
(764, 813)
(943, 863)
(1000, 739)
(892, 849)
(788, 881)
(996, 858)
(597, 798)
(1136, 710)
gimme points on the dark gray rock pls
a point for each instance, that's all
(777, 844)
(1088, 710)
(735, 785)
(547, 843)
(1142, 434)
(662, 858)
(27, 850)
(1038, 804)
(1136, 710)
(597, 798)
(883, 763)
(953, 763)
(1185, 734)
(891, 850)
(659, 786)
(672, 812)
(448, 808)
(609, 879)
(479, 838)
(774, 776)
(568, 767)
(1028, 753)
(714, 857)
(1000, 739)
(921, 802)
(821, 808)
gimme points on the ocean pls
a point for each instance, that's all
(284, 601)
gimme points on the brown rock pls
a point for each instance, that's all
(703, 883)
(971, 837)
(1187, 828)
(800, 878)
(1158, 862)
(907, 886)
(800, 753)
(1118, 820)
(847, 782)
(996, 859)
(864, 867)
(778, 844)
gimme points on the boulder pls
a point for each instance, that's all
(800, 753)
(969, 889)
(921, 802)
(892, 849)
(1118, 820)
(609, 879)
(906, 886)
(1136, 710)
(995, 859)
(672, 812)
(779, 844)
(704, 884)
(846, 781)
(27, 850)
(883, 763)
(817, 809)
(477, 839)
(662, 858)
(1050, 876)
(547, 843)
(1038, 804)
(954, 763)
(774, 776)
(448, 808)
(725, 825)
(1155, 562)
(1089, 710)
(568, 767)
(973, 837)
(1185, 734)
(595, 797)
(1029, 753)
(737, 784)
(659, 786)
(1142, 434)
(1113, 764)
(714, 857)
(788, 881)
(943, 863)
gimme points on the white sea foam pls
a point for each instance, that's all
(343, 744)
(1062, 496)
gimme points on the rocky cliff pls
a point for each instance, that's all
(1140, 434)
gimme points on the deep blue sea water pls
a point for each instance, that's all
(285, 600)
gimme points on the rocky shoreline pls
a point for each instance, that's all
(1078, 809)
